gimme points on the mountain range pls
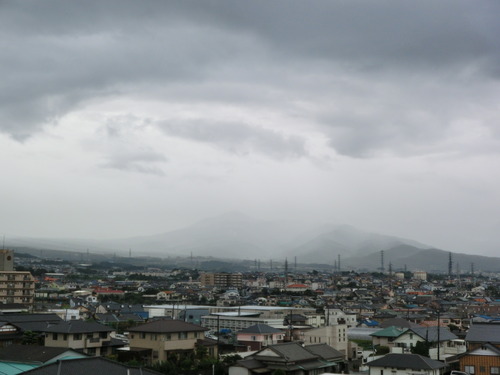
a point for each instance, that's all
(237, 236)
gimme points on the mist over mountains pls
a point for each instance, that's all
(237, 236)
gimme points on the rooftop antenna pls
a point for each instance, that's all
(295, 264)
(338, 263)
(271, 264)
(382, 268)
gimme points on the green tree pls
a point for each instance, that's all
(422, 348)
(31, 338)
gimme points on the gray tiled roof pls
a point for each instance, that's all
(24, 318)
(168, 326)
(324, 351)
(431, 333)
(33, 353)
(291, 351)
(77, 326)
(411, 361)
(489, 332)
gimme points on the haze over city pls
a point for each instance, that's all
(123, 118)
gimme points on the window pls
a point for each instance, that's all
(182, 335)
(65, 337)
(168, 337)
(89, 335)
(143, 335)
(482, 369)
(103, 335)
(77, 336)
(470, 369)
(54, 336)
(494, 370)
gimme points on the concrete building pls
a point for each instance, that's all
(222, 280)
(17, 287)
(334, 336)
(6, 260)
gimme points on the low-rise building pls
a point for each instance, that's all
(167, 337)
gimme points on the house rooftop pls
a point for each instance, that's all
(168, 326)
(404, 361)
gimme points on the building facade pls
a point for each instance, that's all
(222, 280)
(17, 287)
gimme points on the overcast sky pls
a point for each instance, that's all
(123, 118)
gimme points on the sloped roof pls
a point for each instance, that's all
(33, 353)
(91, 365)
(168, 326)
(260, 328)
(389, 332)
(77, 326)
(25, 318)
(324, 351)
(484, 332)
(411, 361)
(290, 351)
(431, 333)
(488, 347)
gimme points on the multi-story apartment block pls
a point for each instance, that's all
(222, 280)
(17, 287)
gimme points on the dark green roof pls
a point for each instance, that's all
(390, 332)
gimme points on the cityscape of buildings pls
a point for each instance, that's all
(299, 322)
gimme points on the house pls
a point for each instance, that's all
(167, 337)
(484, 359)
(405, 364)
(291, 358)
(14, 326)
(89, 337)
(442, 343)
(386, 337)
(482, 333)
(483, 355)
(259, 335)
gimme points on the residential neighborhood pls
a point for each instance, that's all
(186, 320)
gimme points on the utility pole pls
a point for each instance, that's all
(450, 265)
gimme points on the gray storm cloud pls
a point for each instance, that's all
(379, 114)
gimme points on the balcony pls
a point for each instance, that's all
(179, 344)
(94, 342)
